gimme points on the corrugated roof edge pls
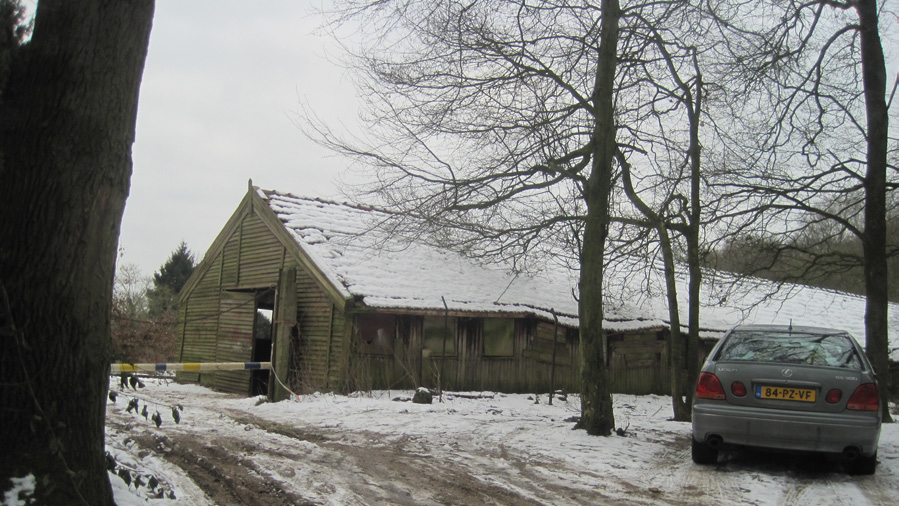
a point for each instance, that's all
(612, 324)
(267, 194)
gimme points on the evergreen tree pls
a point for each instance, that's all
(167, 283)
(263, 327)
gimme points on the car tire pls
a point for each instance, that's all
(703, 453)
(862, 465)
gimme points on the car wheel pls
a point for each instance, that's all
(703, 453)
(862, 465)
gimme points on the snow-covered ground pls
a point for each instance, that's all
(471, 448)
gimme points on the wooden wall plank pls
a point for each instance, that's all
(212, 328)
(234, 341)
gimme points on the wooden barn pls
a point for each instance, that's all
(353, 308)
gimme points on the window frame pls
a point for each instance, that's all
(502, 350)
(452, 337)
(369, 339)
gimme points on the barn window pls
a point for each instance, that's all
(433, 330)
(499, 336)
(376, 333)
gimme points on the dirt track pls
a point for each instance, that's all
(236, 458)
(254, 470)
(400, 472)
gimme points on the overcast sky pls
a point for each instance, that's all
(218, 104)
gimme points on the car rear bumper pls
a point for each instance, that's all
(787, 430)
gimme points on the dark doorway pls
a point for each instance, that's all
(262, 341)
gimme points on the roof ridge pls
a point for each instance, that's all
(357, 206)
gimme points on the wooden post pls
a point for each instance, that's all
(443, 356)
(552, 371)
(285, 318)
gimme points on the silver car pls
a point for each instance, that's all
(789, 388)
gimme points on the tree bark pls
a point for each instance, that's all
(676, 342)
(677, 348)
(694, 261)
(597, 417)
(874, 237)
(67, 121)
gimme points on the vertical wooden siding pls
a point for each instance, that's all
(234, 342)
(219, 312)
(217, 324)
(252, 258)
(230, 258)
(528, 369)
(336, 357)
(260, 253)
(199, 324)
(638, 363)
(318, 323)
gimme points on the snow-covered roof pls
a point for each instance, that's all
(365, 262)
(728, 300)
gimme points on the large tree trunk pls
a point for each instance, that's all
(693, 359)
(597, 417)
(692, 235)
(874, 238)
(67, 119)
(596, 400)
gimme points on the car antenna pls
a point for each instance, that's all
(790, 328)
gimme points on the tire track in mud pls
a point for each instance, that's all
(337, 466)
(559, 483)
(679, 480)
(271, 463)
(799, 479)
(405, 469)
(312, 468)
(410, 470)
(225, 478)
(331, 465)
(689, 482)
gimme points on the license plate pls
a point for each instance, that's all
(785, 394)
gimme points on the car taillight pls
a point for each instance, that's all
(738, 388)
(865, 398)
(709, 387)
(834, 396)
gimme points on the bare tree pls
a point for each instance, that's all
(485, 119)
(663, 138)
(496, 118)
(136, 334)
(816, 149)
(67, 117)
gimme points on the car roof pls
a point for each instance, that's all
(790, 328)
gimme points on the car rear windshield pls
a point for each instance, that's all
(834, 350)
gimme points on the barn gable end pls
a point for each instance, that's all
(240, 274)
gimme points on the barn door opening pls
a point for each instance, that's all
(262, 340)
